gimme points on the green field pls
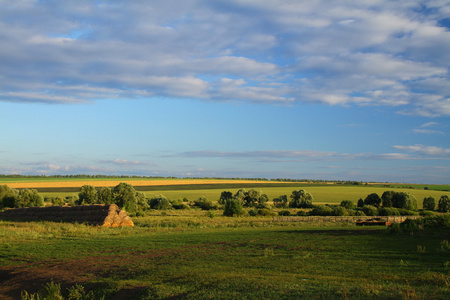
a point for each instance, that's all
(224, 258)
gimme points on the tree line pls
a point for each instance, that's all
(252, 201)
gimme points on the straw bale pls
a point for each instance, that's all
(103, 215)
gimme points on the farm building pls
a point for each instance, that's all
(101, 215)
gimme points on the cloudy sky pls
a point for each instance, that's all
(349, 90)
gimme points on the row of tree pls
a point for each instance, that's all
(126, 197)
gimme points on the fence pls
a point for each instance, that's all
(348, 219)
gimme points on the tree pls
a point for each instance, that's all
(87, 195)
(7, 196)
(373, 199)
(301, 199)
(160, 202)
(444, 204)
(29, 198)
(370, 210)
(224, 196)
(124, 196)
(105, 195)
(360, 202)
(141, 201)
(204, 203)
(404, 200)
(386, 198)
(233, 207)
(281, 201)
(348, 204)
(429, 203)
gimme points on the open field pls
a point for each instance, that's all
(197, 257)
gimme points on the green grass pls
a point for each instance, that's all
(196, 257)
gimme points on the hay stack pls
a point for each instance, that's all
(102, 215)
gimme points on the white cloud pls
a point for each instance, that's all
(426, 150)
(341, 52)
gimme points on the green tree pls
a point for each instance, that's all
(360, 202)
(233, 207)
(444, 204)
(301, 199)
(281, 201)
(204, 203)
(386, 198)
(124, 196)
(370, 210)
(7, 196)
(404, 200)
(29, 198)
(224, 196)
(105, 195)
(373, 199)
(142, 202)
(160, 202)
(429, 203)
(348, 204)
(87, 195)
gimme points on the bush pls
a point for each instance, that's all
(232, 208)
(429, 203)
(373, 200)
(444, 204)
(284, 213)
(281, 201)
(266, 212)
(160, 202)
(370, 210)
(388, 211)
(348, 204)
(322, 210)
(426, 213)
(340, 211)
(423, 225)
(204, 203)
(301, 199)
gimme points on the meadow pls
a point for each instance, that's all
(223, 258)
(195, 254)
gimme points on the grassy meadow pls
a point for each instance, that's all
(195, 254)
(224, 258)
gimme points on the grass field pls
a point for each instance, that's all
(223, 258)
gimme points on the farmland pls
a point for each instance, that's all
(197, 254)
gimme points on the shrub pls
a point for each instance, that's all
(348, 204)
(373, 200)
(285, 213)
(370, 210)
(426, 213)
(340, 211)
(444, 204)
(253, 212)
(232, 208)
(160, 202)
(266, 212)
(429, 203)
(281, 201)
(388, 211)
(360, 203)
(404, 200)
(204, 203)
(322, 210)
(301, 199)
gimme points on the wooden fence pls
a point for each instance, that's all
(348, 219)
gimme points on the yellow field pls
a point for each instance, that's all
(134, 182)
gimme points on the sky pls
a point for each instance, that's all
(332, 90)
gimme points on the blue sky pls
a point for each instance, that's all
(337, 90)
